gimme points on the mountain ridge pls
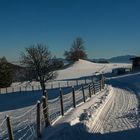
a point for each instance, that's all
(117, 59)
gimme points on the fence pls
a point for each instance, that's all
(34, 86)
(30, 124)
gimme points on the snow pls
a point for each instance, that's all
(78, 114)
(83, 68)
(111, 114)
(78, 70)
(116, 118)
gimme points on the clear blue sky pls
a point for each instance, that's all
(109, 27)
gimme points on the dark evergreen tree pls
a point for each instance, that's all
(5, 73)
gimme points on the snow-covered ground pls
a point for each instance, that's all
(118, 117)
(83, 68)
(110, 114)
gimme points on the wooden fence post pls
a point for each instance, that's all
(52, 85)
(45, 110)
(100, 82)
(61, 102)
(102, 78)
(38, 120)
(6, 90)
(103, 82)
(32, 88)
(12, 89)
(67, 83)
(59, 85)
(10, 131)
(73, 96)
(84, 99)
(94, 89)
(89, 90)
(38, 87)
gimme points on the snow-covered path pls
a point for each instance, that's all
(120, 117)
(117, 114)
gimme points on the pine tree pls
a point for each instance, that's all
(5, 73)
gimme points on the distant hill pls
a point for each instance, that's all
(117, 59)
(121, 59)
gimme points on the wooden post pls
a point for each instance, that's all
(6, 90)
(67, 83)
(33, 88)
(89, 90)
(103, 82)
(12, 89)
(61, 102)
(9, 128)
(59, 84)
(38, 120)
(84, 99)
(52, 85)
(38, 87)
(0, 90)
(45, 110)
(94, 92)
(73, 96)
(100, 82)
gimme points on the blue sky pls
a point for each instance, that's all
(109, 27)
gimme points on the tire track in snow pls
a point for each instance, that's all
(114, 115)
(97, 122)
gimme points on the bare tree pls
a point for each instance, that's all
(39, 64)
(77, 51)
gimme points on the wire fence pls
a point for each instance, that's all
(20, 127)
(29, 125)
(3, 130)
(35, 86)
(24, 126)
(54, 109)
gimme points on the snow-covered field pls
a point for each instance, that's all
(111, 114)
(84, 68)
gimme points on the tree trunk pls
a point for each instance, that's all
(43, 88)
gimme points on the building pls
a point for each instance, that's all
(119, 71)
(135, 63)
